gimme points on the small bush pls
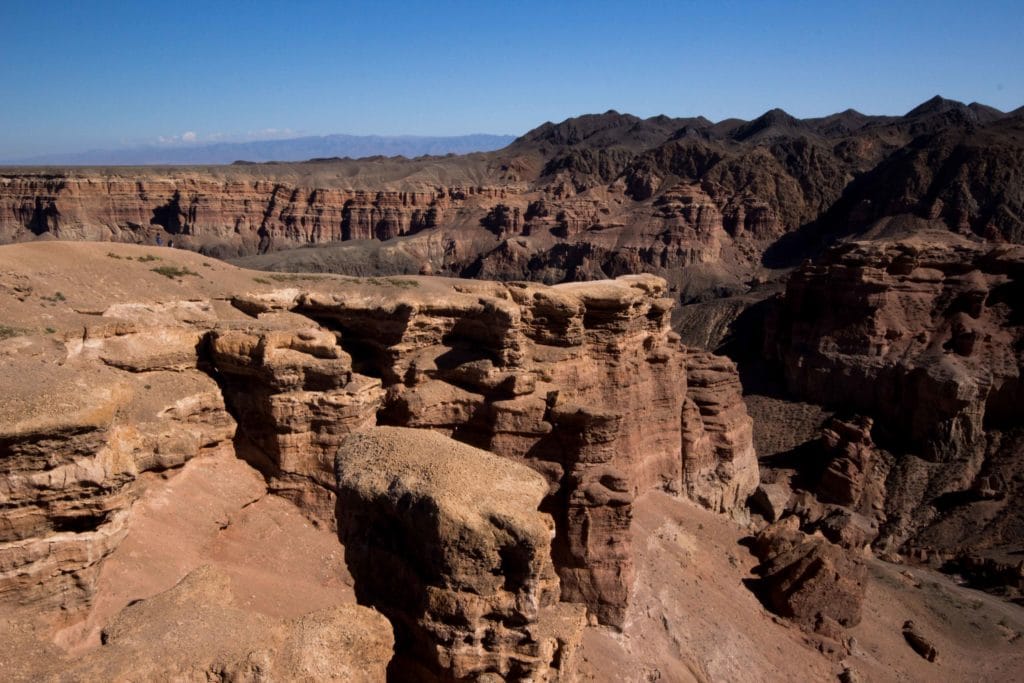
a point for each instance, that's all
(6, 332)
(297, 277)
(173, 272)
(392, 281)
(146, 258)
(262, 281)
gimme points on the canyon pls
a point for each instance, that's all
(627, 399)
(127, 391)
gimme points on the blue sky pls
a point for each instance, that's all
(77, 75)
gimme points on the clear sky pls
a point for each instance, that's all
(80, 74)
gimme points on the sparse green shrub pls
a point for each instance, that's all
(6, 332)
(391, 281)
(295, 277)
(173, 272)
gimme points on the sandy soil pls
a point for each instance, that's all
(692, 618)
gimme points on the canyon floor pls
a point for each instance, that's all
(220, 561)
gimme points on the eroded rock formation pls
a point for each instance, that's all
(718, 468)
(292, 387)
(231, 216)
(583, 382)
(924, 336)
(75, 441)
(807, 579)
(447, 540)
(921, 332)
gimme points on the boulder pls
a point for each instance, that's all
(447, 541)
(771, 500)
(807, 578)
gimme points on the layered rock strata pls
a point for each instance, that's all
(75, 443)
(717, 434)
(292, 388)
(202, 211)
(448, 542)
(851, 456)
(923, 339)
(921, 334)
(583, 382)
(808, 579)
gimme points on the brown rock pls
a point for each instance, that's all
(869, 328)
(296, 397)
(808, 579)
(919, 642)
(771, 500)
(719, 462)
(583, 382)
(878, 329)
(849, 445)
(849, 529)
(447, 541)
(75, 441)
(580, 381)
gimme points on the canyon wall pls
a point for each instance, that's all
(203, 212)
(482, 228)
(589, 198)
(920, 343)
(76, 441)
(584, 384)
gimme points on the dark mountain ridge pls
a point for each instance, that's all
(804, 170)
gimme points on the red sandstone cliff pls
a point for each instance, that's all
(144, 367)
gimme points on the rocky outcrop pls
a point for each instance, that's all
(76, 441)
(920, 334)
(851, 457)
(583, 382)
(448, 542)
(229, 216)
(922, 337)
(809, 580)
(292, 389)
(720, 465)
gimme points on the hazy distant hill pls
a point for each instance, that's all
(292, 149)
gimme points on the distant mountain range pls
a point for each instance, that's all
(290, 149)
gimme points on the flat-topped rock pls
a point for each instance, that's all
(447, 541)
